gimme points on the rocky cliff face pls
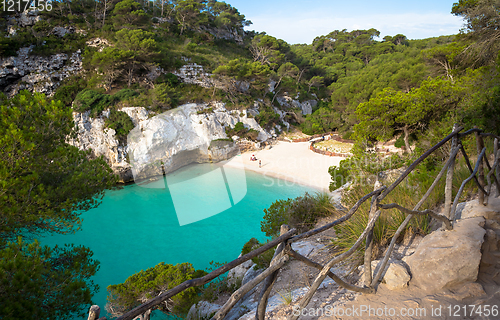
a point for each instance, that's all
(187, 134)
(305, 106)
(34, 73)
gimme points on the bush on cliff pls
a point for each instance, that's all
(301, 213)
(147, 284)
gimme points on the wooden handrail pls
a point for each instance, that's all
(287, 238)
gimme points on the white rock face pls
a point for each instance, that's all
(182, 136)
(195, 74)
(136, 114)
(202, 310)
(39, 74)
(28, 18)
(92, 135)
(448, 258)
(305, 106)
(178, 137)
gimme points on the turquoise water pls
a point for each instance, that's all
(136, 228)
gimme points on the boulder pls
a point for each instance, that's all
(28, 18)
(61, 31)
(447, 258)
(236, 274)
(395, 276)
(305, 247)
(472, 209)
(251, 273)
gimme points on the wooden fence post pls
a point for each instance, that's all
(497, 173)
(271, 279)
(369, 242)
(448, 192)
(480, 172)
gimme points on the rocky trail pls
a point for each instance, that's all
(445, 275)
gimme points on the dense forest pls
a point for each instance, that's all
(368, 89)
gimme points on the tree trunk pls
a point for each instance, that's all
(407, 138)
(104, 12)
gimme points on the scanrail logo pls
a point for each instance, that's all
(170, 141)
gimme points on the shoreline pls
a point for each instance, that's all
(292, 162)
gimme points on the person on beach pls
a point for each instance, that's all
(259, 164)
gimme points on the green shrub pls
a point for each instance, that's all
(322, 120)
(150, 283)
(252, 134)
(8, 47)
(267, 118)
(360, 168)
(97, 102)
(400, 142)
(301, 213)
(347, 135)
(169, 78)
(240, 130)
(121, 123)
(264, 259)
(125, 94)
(217, 287)
(68, 92)
(53, 44)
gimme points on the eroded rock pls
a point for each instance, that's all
(176, 138)
(34, 73)
(237, 274)
(448, 258)
(202, 310)
(395, 276)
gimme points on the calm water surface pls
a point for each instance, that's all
(136, 228)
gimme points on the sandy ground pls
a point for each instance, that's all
(293, 162)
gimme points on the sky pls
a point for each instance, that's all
(301, 21)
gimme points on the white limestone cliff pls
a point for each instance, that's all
(191, 133)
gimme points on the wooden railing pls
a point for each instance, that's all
(287, 236)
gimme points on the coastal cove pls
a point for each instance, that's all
(136, 228)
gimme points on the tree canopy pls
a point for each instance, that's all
(147, 284)
(39, 173)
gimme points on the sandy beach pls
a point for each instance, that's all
(293, 162)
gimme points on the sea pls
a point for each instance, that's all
(198, 214)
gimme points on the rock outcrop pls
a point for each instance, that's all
(202, 310)
(187, 134)
(34, 73)
(305, 106)
(194, 73)
(191, 133)
(447, 258)
(395, 275)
